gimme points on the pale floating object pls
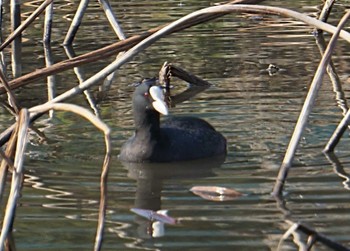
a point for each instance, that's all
(215, 193)
(154, 216)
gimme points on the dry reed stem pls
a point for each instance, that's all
(104, 173)
(25, 24)
(9, 152)
(103, 196)
(8, 161)
(333, 76)
(112, 19)
(338, 133)
(75, 24)
(140, 42)
(5, 135)
(286, 235)
(326, 10)
(306, 109)
(48, 24)
(17, 176)
(12, 99)
(173, 26)
(73, 108)
(81, 77)
(315, 236)
(340, 98)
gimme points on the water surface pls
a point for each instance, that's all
(254, 110)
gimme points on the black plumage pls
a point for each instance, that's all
(175, 139)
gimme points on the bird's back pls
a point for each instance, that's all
(187, 139)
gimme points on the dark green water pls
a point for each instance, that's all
(254, 110)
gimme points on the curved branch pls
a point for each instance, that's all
(155, 34)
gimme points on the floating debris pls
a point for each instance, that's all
(154, 216)
(216, 193)
(272, 69)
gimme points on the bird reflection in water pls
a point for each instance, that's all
(150, 178)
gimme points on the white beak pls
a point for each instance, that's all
(158, 97)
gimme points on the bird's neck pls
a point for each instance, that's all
(147, 124)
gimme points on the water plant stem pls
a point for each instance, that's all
(306, 110)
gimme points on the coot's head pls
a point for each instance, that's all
(148, 101)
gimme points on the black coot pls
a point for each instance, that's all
(175, 139)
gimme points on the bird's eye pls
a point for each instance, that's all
(146, 94)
